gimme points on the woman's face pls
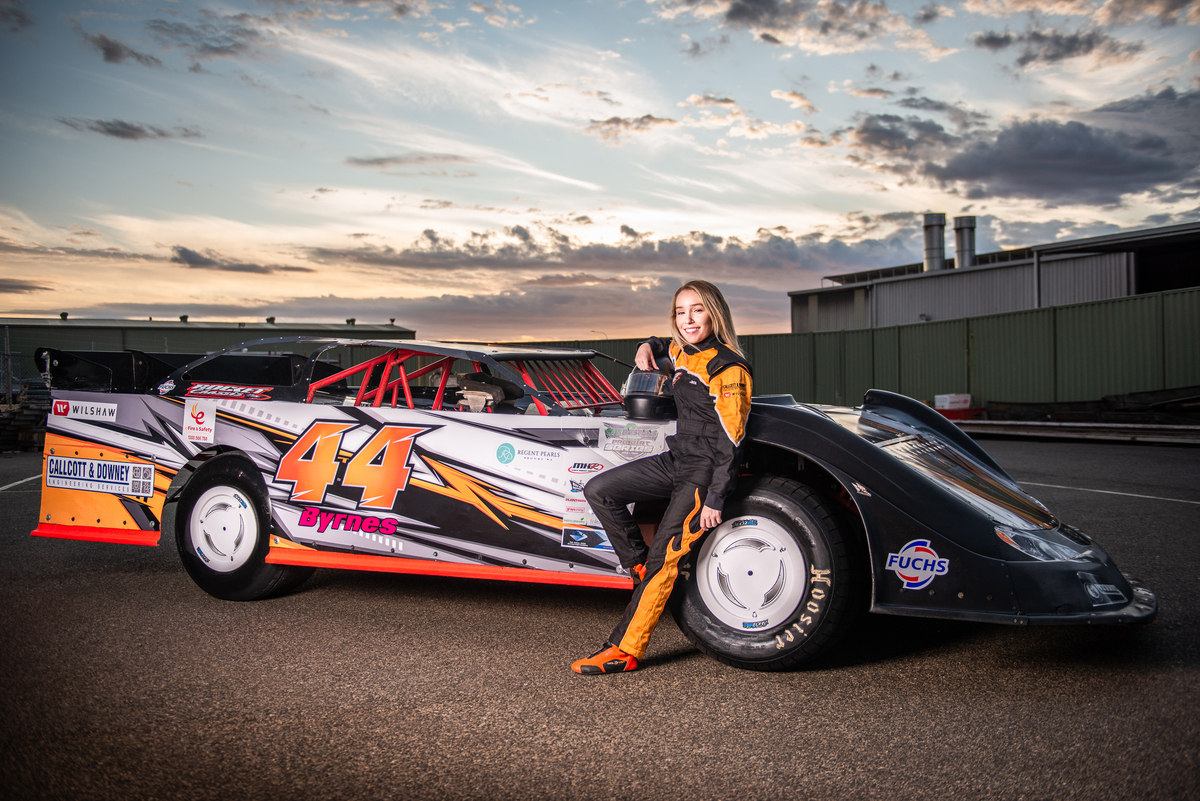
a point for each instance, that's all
(691, 318)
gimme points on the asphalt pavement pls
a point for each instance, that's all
(120, 679)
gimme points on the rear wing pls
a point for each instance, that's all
(129, 371)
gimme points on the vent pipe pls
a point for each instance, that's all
(964, 242)
(935, 242)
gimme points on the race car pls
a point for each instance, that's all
(454, 459)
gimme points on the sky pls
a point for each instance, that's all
(555, 170)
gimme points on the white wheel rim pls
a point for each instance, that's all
(223, 529)
(751, 574)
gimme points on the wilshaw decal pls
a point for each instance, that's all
(380, 467)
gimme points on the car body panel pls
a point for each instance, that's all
(406, 484)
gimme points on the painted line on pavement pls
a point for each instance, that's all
(1106, 492)
(22, 481)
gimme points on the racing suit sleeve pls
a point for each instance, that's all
(660, 348)
(730, 390)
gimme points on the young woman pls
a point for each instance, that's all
(711, 385)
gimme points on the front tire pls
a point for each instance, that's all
(222, 528)
(773, 586)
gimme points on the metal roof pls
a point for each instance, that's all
(1185, 233)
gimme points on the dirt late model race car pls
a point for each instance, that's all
(470, 461)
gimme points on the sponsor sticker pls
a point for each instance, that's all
(166, 387)
(200, 421)
(505, 453)
(84, 410)
(579, 536)
(95, 475)
(917, 564)
(633, 441)
(745, 522)
(585, 467)
(235, 391)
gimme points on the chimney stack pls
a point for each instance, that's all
(935, 242)
(964, 242)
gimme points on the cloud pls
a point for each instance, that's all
(210, 260)
(895, 137)
(1165, 12)
(931, 13)
(618, 129)
(1004, 9)
(232, 36)
(795, 99)
(701, 101)
(115, 52)
(1051, 46)
(132, 131)
(824, 27)
(1050, 160)
(13, 16)
(388, 163)
(18, 286)
(962, 117)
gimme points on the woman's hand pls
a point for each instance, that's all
(645, 357)
(709, 518)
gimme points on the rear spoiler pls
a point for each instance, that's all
(130, 371)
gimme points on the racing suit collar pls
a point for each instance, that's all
(706, 344)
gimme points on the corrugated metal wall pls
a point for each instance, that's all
(1079, 352)
(1066, 353)
(1084, 278)
(1181, 333)
(933, 359)
(953, 294)
(1108, 347)
(1012, 356)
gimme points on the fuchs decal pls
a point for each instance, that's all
(233, 391)
(380, 467)
(917, 564)
(585, 467)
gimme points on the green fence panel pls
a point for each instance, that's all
(1181, 338)
(1108, 347)
(885, 347)
(1012, 357)
(783, 365)
(933, 359)
(829, 379)
(859, 372)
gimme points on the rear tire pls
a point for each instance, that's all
(222, 531)
(774, 585)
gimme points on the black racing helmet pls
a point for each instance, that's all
(648, 396)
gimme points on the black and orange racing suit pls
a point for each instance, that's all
(712, 386)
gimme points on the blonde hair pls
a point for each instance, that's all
(718, 310)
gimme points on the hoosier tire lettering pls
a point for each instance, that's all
(816, 594)
(799, 537)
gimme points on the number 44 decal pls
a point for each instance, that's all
(379, 467)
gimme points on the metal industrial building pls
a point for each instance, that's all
(23, 335)
(972, 285)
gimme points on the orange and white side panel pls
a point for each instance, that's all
(99, 493)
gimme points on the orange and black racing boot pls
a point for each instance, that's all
(609, 659)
